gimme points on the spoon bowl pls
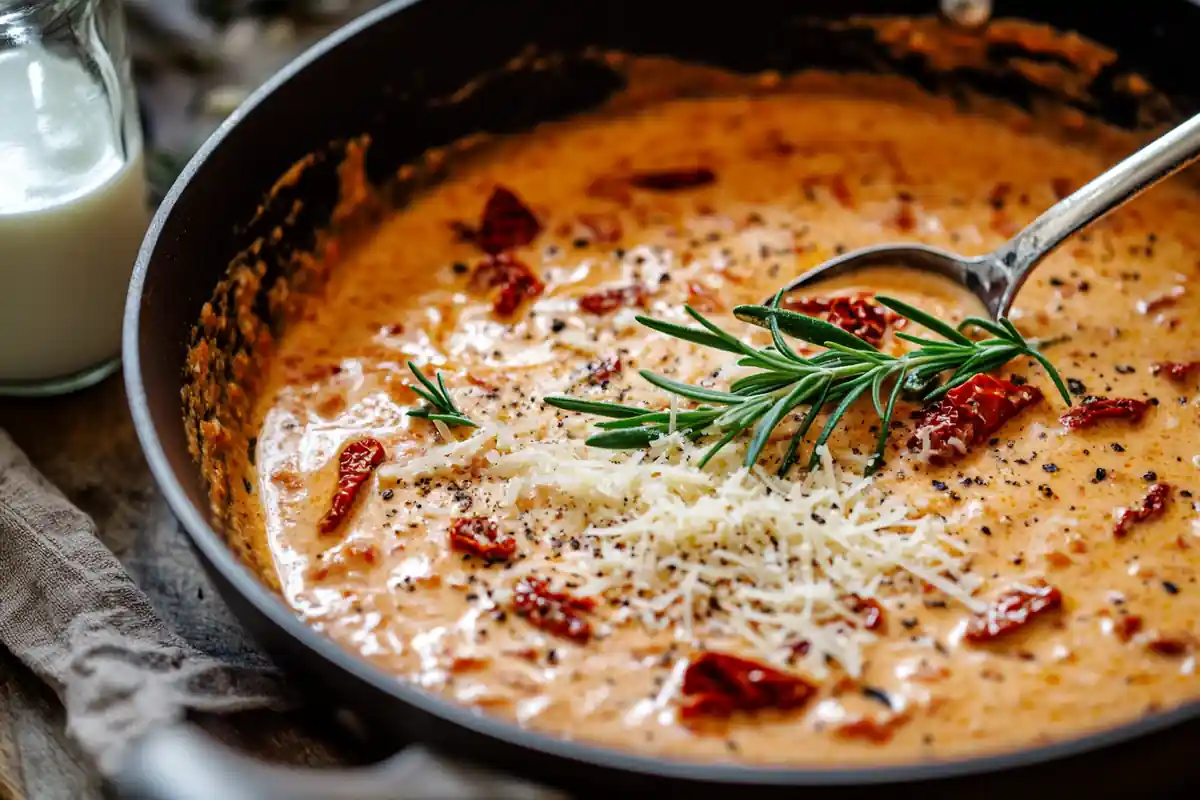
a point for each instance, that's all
(996, 277)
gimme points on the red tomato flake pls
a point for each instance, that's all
(702, 299)
(968, 415)
(599, 372)
(672, 180)
(905, 220)
(357, 461)
(1152, 505)
(601, 228)
(998, 196)
(1089, 412)
(872, 730)
(354, 557)
(720, 684)
(869, 609)
(610, 187)
(506, 223)
(607, 300)
(858, 314)
(481, 537)
(516, 281)
(1178, 371)
(1128, 626)
(556, 612)
(841, 191)
(1012, 610)
(490, 388)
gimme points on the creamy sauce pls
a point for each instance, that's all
(797, 179)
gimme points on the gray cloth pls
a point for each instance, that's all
(72, 614)
(69, 611)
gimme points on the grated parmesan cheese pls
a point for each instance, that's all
(723, 553)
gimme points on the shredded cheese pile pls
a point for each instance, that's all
(724, 553)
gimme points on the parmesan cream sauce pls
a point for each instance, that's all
(1032, 504)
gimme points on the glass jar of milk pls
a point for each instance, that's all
(73, 205)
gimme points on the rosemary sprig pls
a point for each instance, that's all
(848, 369)
(439, 405)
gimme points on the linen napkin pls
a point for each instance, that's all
(70, 612)
(73, 615)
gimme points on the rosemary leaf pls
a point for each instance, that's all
(885, 426)
(809, 329)
(834, 418)
(773, 417)
(716, 448)
(922, 318)
(689, 334)
(1053, 373)
(691, 392)
(439, 405)
(790, 457)
(600, 409)
(994, 328)
(628, 439)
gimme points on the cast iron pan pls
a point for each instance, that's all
(376, 76)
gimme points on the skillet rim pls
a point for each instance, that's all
(251, 589)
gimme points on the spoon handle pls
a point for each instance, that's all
(1161, 158)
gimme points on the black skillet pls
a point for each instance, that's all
(376, 76)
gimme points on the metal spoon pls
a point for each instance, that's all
(996, 277)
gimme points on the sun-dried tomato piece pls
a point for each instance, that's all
(720, 684)
(1160, 301)
(1171, 644)
(506, 223)
(1152, 505)
(968, 415)
(607, 300)
(516, 281)
(1178, 371)
(858, 314)
(672, 180)
(481, 537)
(1012, 610)
(868, 609)
(355, 464)
(1126, 627)
(599, 372)
(556, 612)
(1092, 410)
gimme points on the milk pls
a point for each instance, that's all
(72, 215)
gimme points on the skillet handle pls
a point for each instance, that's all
(184, 763)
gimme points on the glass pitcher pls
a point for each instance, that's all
(73, 204)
